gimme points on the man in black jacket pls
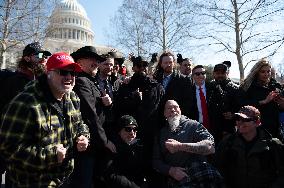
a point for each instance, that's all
(126, 168)
(140, 98)
(229, 101)
(92, 109)
(176, 86)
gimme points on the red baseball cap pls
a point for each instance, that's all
(61, 60)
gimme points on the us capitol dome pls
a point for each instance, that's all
(69, 29)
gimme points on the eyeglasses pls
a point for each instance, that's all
(62, 72)
(200, 73)
(129, 129)
(244, 119)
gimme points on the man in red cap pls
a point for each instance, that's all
(41, 127)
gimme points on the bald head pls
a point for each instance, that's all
(171, 109)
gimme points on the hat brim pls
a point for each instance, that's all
(75, 66)
(242, 115)
(78, 55)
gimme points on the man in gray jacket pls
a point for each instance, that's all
(180, 151)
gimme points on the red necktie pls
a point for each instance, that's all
(204, 109)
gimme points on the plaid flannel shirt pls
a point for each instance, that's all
(30, 130)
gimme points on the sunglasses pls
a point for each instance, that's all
(62, 72)
(200, 73)
(129, 129)
(244, 119)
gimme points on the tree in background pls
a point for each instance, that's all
(129, 27)
(21, 22)
(148, 26)
(250, 29)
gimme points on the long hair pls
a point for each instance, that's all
(253, 73)
(159, 70)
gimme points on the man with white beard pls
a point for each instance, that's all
(180, 152)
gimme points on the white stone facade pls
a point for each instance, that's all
(69, 28)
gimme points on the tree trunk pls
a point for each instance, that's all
(238, 41)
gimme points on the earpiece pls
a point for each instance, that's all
(48, 76)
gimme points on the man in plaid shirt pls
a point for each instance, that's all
(42, 126)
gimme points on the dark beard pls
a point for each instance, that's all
(38, 69)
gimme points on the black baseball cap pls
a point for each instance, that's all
(220, 67)
(35, 48)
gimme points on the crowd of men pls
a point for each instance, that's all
(79, 121)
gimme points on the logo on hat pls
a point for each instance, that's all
(62, 60)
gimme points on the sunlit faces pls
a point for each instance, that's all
(185, 67)
(264, 74)
(128, 133)
(89, 65)
(167, 64)
(106, 67)
(199, 76)
(171, 109)
(61, 81)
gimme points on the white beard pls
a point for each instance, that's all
(174, 122)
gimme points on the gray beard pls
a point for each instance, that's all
(174, 122)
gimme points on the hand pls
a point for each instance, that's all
(106, 99)
(228, 115)
(280, 101)
(82, 143)
(177, 173)
(172, 145)
(61, 152)
(111, 146)
(271, 96)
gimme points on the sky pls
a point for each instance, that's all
(100, 12)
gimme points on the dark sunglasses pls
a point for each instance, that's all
(62, 72)
(199, 73)
(129, 129)
(142, 64)
(238, 118)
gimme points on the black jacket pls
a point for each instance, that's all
(126, 168)
(179, 89)
(91, 108)
(145, 111)
(255, 164)
(269, 112)
(227, 96)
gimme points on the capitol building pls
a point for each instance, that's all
(69, 29)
